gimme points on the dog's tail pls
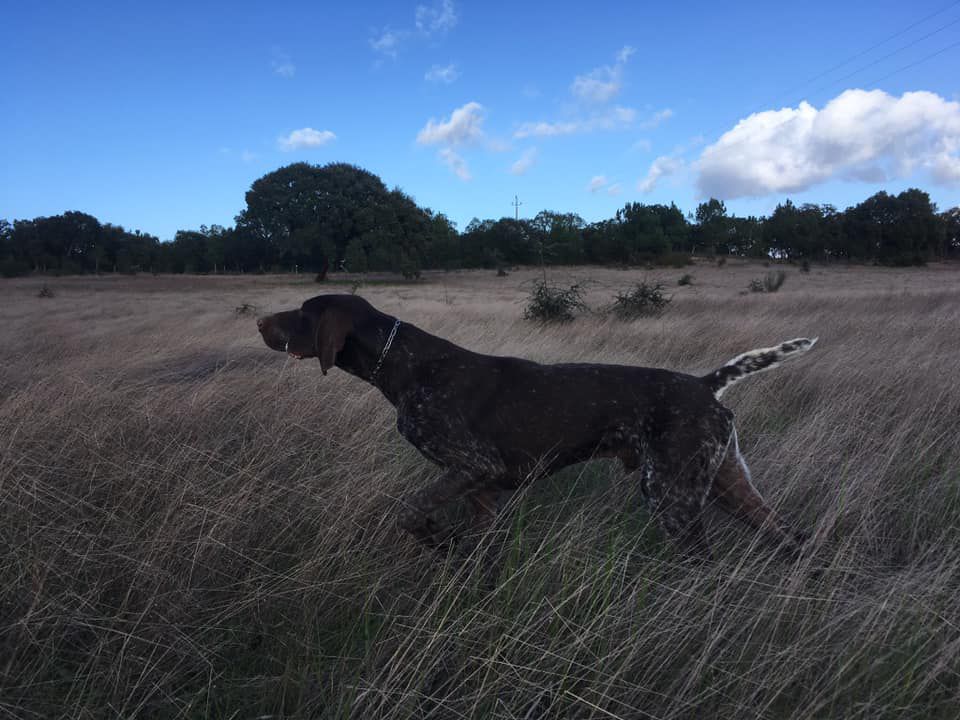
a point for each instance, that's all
(755, 361)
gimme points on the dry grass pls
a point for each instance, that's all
(193, 526)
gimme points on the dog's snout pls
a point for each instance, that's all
(261, 324)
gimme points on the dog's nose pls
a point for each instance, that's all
(261, 323)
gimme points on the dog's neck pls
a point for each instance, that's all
(364, 349)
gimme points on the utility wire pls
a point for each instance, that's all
(879, 60)
(875, 46)
(923, 59)
(790, 93)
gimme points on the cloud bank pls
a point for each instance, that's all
(859, 135)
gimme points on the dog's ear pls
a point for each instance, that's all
(330, 333)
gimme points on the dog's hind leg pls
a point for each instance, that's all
(676, 494)
(734, 492)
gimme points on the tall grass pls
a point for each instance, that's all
(193, 526)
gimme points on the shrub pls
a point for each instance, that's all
(721, 261)
(771, 283)
(548, 303)
(409, 268)
(45, 292)
(643, 301)
(245, 309)
(774, 280)
(685, 279)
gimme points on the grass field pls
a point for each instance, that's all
(192, 526)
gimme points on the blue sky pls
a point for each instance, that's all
(160, 116)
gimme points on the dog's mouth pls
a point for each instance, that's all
(288, 351)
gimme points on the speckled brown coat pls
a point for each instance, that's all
(493, 423)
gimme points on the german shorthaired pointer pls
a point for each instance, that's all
(494, 423)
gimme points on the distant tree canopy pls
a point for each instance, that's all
(307, 217)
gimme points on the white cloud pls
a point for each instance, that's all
(613, 119)
(439, 17)
(663, 166)
(305, 138)
(455, 163)
(602, 84)
(442, 73)
(642, 145)
(387, 41)
(865, 135)
(657, 118)
(594, 89)
(597, 182)
(526, 161)
(283, 66)
(463, 127)
(546, 129)
(614, 190)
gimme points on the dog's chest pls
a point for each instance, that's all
(441, 433)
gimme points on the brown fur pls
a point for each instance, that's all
(495, 423)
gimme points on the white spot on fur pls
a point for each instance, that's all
(763, 359)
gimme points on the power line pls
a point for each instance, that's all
(875, 46)
(923, 59)
(887, 56)
(789, 94)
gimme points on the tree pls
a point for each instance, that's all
(307, 215)
(951, 232)
(712, 225)
(640, 231)
(896, 230)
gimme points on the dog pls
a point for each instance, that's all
(494, 423)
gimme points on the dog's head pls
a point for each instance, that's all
(319, 328)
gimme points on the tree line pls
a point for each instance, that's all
(309, 218)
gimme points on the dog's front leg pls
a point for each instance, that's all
(415, 517)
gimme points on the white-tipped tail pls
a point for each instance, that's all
(756, 361)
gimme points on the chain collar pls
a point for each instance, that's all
(386, 349)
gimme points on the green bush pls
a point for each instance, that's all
(548, 303)
(643, 301)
